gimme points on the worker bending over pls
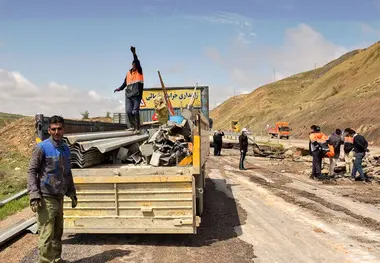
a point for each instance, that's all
(134, 84)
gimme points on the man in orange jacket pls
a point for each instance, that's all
(134, 84)
(316, 139)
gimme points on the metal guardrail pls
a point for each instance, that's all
(14, 197)
(9, 234)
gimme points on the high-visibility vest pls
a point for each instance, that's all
(322, 138)
(348, 139)
(133, 76)
(318, 137)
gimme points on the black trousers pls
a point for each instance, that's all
(317, 163)
(132, 110)
(242, 158)
(217, 148)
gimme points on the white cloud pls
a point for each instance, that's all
(248, 68)
(19, 95)
(243, 25)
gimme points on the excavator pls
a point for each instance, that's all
(235, 126)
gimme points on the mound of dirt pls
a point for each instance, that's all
(344, 93)
(99, 119)
(19, 136)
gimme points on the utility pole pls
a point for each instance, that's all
(274, 74)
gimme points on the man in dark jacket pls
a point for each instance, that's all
(243, 145)
(218, 142)
(335, 140)
(316, 137)
(360, 148)
(49, 180)
(134, 84)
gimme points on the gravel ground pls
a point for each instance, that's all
(270, 213)
(216, 240)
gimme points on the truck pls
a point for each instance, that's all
(119, 198)
(281, 130)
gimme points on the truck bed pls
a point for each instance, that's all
(132, 199)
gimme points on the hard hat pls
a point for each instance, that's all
(244, 130)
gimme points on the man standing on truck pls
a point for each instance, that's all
(243, 145)
(49, 180)
(134, 84)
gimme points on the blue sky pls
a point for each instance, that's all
(232, 46)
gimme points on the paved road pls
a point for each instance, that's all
(269, 213)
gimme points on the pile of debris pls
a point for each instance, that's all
(88, 149)
(170, 144)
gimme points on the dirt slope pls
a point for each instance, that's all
(344, 93)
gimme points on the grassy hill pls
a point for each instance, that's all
(6, 118)
(343, 93)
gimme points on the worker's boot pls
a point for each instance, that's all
(137, 123)
(132, 123)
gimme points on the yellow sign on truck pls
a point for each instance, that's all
(176, 98)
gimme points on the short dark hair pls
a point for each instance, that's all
(313, 127)
(338, 131)
(349, 131)
(56, 119)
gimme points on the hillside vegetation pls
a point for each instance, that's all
(343, 93)
(6, 118)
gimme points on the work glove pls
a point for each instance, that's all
(116, 90)
(133, 49)
(74, 201)
(34, 204)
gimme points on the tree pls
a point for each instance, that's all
(108, 114)
(85, 115)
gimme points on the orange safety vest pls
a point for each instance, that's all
(318, 137)
(322, 138)
(348, 139)
(134, 77)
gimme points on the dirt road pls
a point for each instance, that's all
(269, 213)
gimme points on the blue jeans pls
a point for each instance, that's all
(132, 110)
(358, 165)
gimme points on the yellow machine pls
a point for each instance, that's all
(235, 126)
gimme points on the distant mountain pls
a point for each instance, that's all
(343, 93)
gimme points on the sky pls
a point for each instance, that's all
(66, 57)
